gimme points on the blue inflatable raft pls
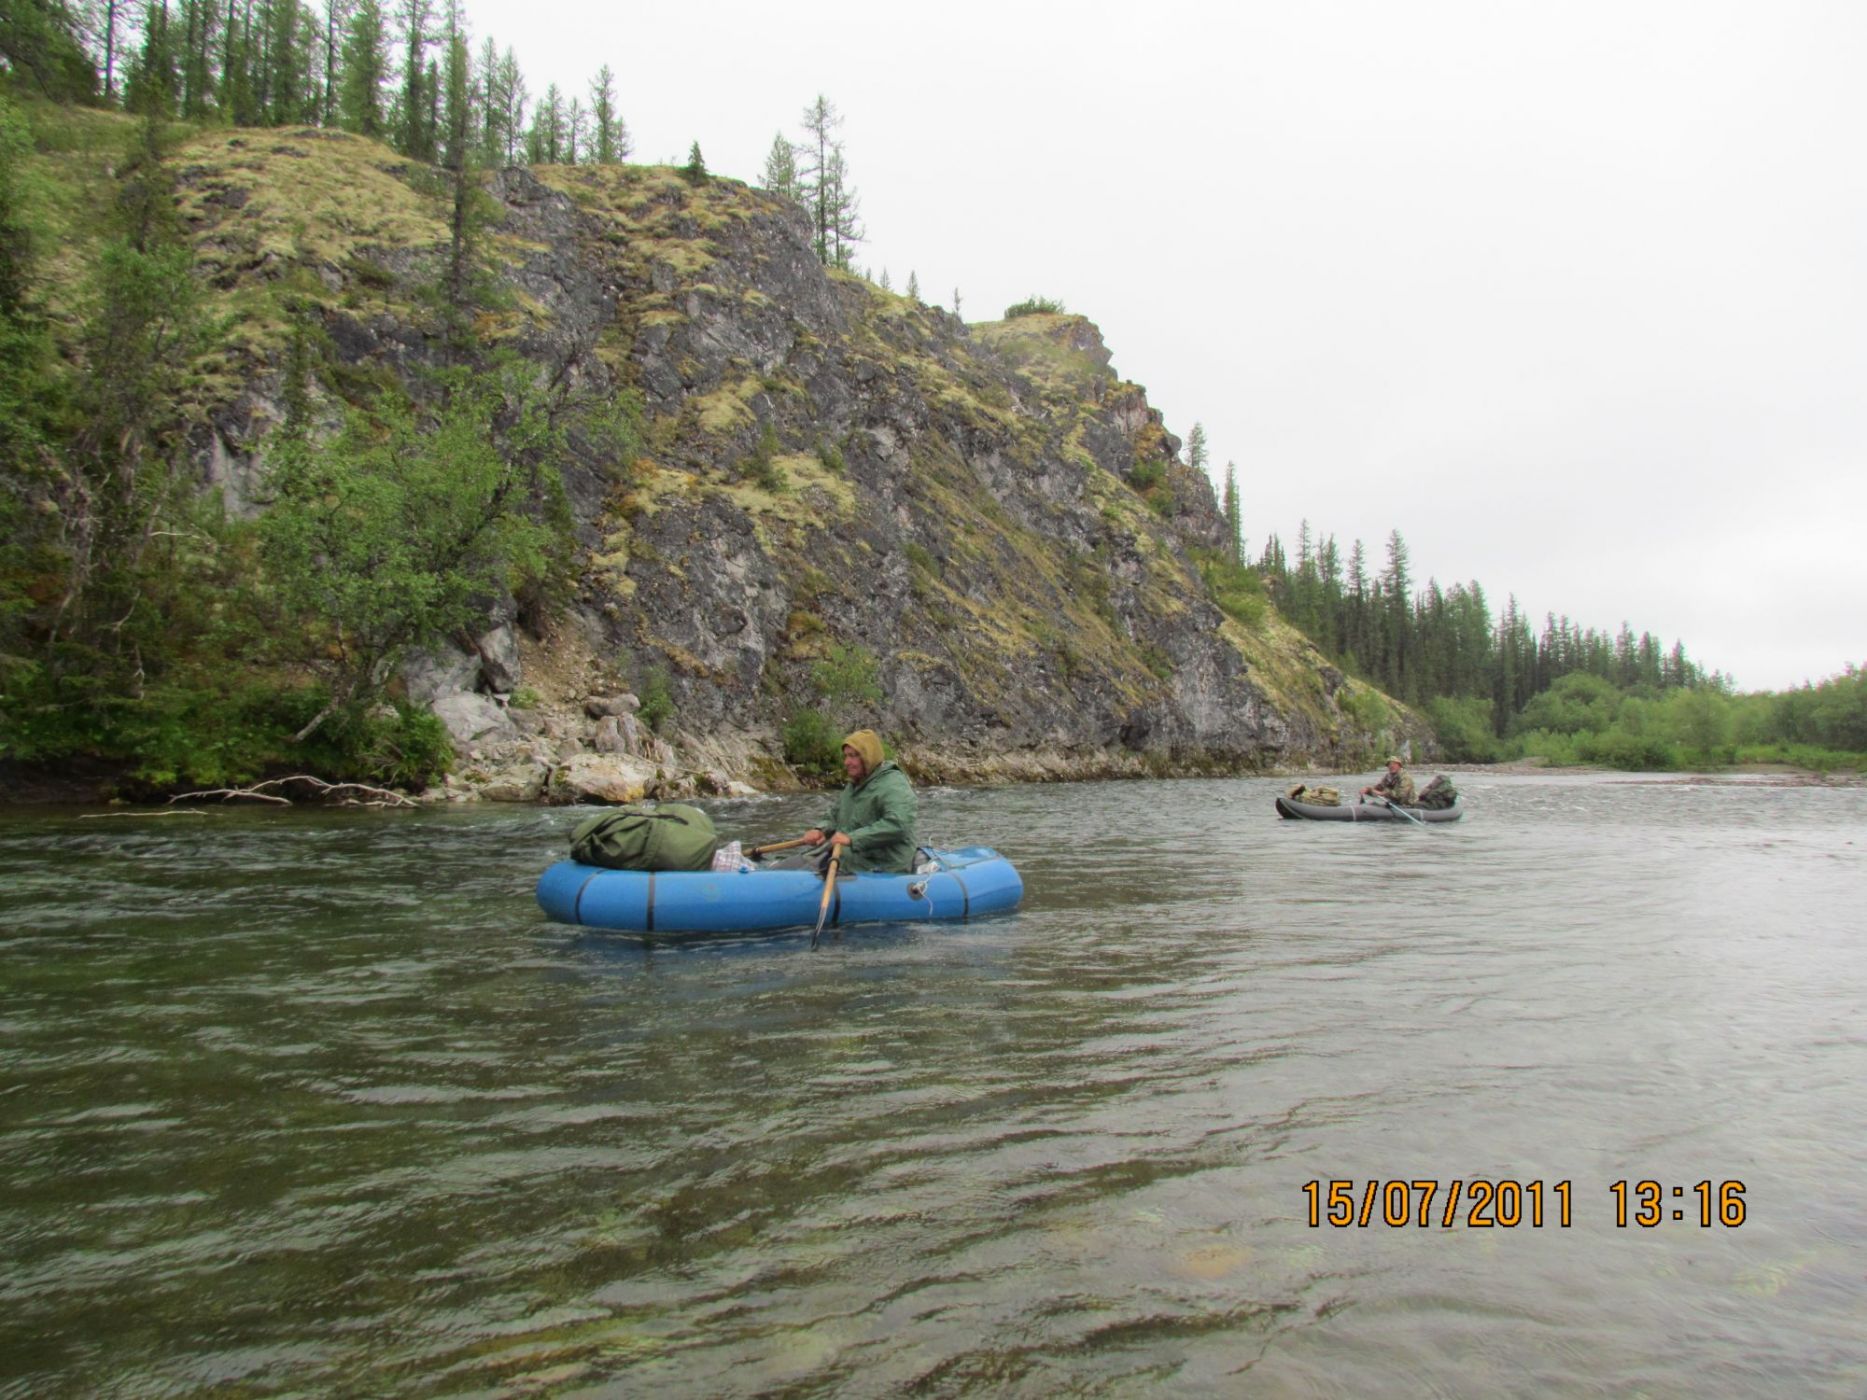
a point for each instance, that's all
(969, 882)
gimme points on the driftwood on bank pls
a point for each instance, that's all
(343, 794)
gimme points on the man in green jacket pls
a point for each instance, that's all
(873, 819)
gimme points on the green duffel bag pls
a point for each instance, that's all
(669, 836)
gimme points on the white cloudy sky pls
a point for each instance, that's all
(1574, 295)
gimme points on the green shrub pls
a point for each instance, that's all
(831, 456)
(1033, 306)
(762, 468)
(847, 677)
(1463, 727)
(657, 699)
(812, 745)
(1631, 752)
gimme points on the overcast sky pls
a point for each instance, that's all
(1572, 295)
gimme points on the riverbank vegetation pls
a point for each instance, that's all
(185, 636)
(1497, 690)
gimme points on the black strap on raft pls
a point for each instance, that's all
(576, 908)
(965, 896)
(651, 903)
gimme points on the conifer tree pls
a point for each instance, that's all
(152, 83)
(576, 133)
(611, 138)
(781, 169)
(695, 171)
(1234, 525)
(827, 192)
(284, 89)
(1196, 447)
(415, 137)
(366, 64)
(40, 42)
(545, 145)
(914, 286)
(513, 97)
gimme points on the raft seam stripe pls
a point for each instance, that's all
(965, 896)
(576, 908)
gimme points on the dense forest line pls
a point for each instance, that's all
(1497, 688)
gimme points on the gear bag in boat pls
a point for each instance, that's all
(670, 836)
(1315, 796)
(1437, 795)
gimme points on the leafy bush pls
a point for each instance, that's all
(1237, 589)
(1147, 475)
(657, 699)
(1366, 710)
(1632, 752)
(812, 745)
(1463, 727)
(195, 732)
(847, 677)
(762, 468)
(1033, 306)
(1575, 704)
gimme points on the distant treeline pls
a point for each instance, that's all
(400, 73)
(1497, 688)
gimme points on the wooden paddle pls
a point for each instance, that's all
(829, 886)
(758, 851)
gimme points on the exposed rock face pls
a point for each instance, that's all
(984, 521)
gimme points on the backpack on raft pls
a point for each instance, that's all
(1315, 796)
(670, 836)
(1437, 795)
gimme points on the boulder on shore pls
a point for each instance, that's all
(604, 778)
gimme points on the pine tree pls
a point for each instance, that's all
(284, 65)
(825, 187)
(416, 135)
(152, 83)
(513, 97)
(780, 176)
(843, 206)
(695, 171)
(611, 137)
(366, 64)
(576, 133)
(1196, 447)
(1234, 524)
(546, 143)
(914, 286)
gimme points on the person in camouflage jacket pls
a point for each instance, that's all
(1396, 786)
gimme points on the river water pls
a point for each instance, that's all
(316, 1103)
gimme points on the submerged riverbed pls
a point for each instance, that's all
(317, 1103)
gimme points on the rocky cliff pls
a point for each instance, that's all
(826, 471)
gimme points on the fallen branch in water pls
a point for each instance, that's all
(344, 794)
(161, 812)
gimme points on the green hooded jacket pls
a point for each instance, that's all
(878, 816)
